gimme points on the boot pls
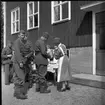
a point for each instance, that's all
(26, 85)
(37, 87)
(20, 96)
(19, 92)
(16, 91)
(67, 86)
(7, 83)
(23, 89)
(30, 84)
(43, 89)
(60, 87)
(15, 94)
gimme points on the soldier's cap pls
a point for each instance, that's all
(56, 40)
(46, 35)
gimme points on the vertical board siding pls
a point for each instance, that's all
(67, 31)
(81, 60)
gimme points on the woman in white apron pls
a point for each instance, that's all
(64, 74)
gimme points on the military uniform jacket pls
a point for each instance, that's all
(6, 51)
(41, 56)
(21, 50)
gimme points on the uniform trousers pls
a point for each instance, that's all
(42, 71)
(20, 84)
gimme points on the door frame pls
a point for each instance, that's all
(95, 7)
(94, 39)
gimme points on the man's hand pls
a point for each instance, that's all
(9, 55)
(21, 65)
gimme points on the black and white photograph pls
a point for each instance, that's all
(53, 52)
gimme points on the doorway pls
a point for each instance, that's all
(100, 43)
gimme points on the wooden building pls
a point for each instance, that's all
(79, 24)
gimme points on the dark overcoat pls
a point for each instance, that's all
(41, 56)
(6, 51)
(7, 64)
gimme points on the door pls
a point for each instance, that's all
(100, 43)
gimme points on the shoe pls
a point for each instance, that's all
(30, 85)
(43, 89)
(7, 83)
(59, 86)
(20, 96)
(15, 94)
(62, 90)
(68, 87)
(37, 89)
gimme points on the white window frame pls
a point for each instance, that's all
(12, 11)
(60, 4)
(37, 13)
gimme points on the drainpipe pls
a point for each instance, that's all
(94, 41)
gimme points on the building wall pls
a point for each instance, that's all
(76, 34)
(71, 32)
(10, 6)
(81, 60)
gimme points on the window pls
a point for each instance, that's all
(15, 20)
(32, 15)
(61, 11)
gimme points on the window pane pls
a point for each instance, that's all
(56, 13)
(30, 8)
(30, 21)
(56, 2)
(35, 20)
(35, 7)
(13, 27)
(13, 16)
(17, 26)
(65, 11)
(17, 15)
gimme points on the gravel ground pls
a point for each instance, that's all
(78, 95)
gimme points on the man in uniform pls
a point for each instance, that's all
(7, 63)
(41, 60)
(22, 47)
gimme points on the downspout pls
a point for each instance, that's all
(94, 42)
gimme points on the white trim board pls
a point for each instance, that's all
(91, 5)
(94, 41)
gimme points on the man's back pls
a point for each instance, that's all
(41, 52)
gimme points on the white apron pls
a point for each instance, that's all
(64, 71)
